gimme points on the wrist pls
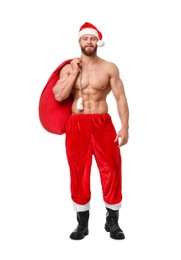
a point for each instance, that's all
(126, 127)
(75, 72)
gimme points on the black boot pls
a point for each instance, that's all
(82, 228)
(112, 225)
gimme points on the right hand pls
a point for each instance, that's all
(76, 64)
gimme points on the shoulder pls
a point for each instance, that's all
(111, 67)
(109, 64)
(65, 70)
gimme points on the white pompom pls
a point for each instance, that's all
(100, 43)
(80, 104)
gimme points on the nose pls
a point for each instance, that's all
(88, 40)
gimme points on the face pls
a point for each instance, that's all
(88, 44)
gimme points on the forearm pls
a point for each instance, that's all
(123, 112)
(63, 88)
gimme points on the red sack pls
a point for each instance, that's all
(53, 114)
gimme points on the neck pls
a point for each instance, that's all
(89, 59)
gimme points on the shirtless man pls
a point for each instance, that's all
(90, 130)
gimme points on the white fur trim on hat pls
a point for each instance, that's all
(88, 31)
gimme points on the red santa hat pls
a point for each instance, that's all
(88, 28)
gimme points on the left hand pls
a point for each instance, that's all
(123, 135)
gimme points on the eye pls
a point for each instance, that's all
(93, 38)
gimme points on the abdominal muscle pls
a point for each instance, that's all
(93, 96)
(91, 106)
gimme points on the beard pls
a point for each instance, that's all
(89, 53)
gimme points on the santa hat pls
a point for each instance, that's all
(88, 28)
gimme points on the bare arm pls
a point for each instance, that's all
(122, 105)
(68, 76)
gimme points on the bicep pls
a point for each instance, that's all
(117, 86)
(64, 73)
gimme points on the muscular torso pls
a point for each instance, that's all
(94, 82)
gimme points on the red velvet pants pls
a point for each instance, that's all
(87, 135)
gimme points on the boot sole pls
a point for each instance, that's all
(112, 236)
(79, 238)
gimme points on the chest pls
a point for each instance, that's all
(92, 78)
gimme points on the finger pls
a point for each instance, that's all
(123, 141)
(115, 140)
(78, 61)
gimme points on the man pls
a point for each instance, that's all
(90, 131)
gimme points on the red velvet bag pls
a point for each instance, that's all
(53, 114)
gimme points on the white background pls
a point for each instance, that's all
(36, 213)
